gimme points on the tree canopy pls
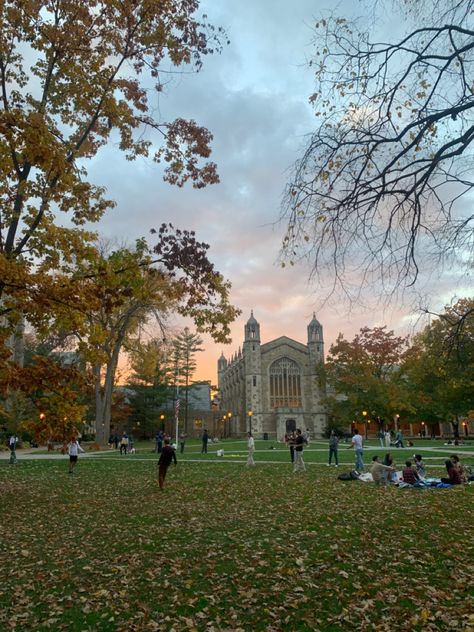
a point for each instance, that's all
(364, 375)
(377, 192)
(73, 76)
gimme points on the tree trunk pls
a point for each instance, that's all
(103, 395)
(455, 425)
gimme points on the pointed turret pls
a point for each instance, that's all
(252, 329)
(315, 330)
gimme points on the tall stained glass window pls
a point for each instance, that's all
(285, 384)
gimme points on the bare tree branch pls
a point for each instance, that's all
(376, 193)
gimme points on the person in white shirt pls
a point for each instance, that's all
(357, 444)
(73, 450)
(251, 449)
(12, 443)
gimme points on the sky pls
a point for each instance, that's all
(254, 99)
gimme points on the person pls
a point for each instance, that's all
(299, 443)
(251, 449)
(159, 442)
(205, 440)
(116, 441)
(357, 443)
(387, 438)
(381, 437)
(73, 450)
(182, 441)
(167, 455)
(399, 439)
(388, 461)
(291, 445)
(333, 446)
(420, 466)
(12, 443)
(380, 471)
(459, 467)
(454, 476)
(124, 443)
(409, 474)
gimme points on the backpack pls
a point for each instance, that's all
(353, 475)
(346, 476)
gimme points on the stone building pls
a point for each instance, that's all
(273, 388)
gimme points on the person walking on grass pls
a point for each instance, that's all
(291, 444)
(299, 443)
(124, 444)
(73, 450)
(205, 440)
(168, 454)
(251, 449)
(333, 445)
(358, 445)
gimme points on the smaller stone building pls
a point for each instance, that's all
(273, 388)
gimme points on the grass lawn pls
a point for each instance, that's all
(229, 548)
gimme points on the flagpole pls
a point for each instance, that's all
(176, 406)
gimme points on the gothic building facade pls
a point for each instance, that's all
(273, 388)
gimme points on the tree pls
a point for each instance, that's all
(116, 294)
(48, 398)
(441, 372)
(377, 190)
(74, 75)
(150, 383)
(185, 346)
(364, 375)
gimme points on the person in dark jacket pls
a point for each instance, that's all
(167, 455)
(205, 440)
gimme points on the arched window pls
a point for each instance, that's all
(285, 384)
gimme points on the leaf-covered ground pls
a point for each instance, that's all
(229, 548)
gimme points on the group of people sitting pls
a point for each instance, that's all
(415, 472)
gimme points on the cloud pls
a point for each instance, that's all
(254, 99)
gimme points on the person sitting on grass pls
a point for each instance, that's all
(389, 475)
(409, 474)
(420, 466)
(459, 467)
(454, 477)
(378, 471)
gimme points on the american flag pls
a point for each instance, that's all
(176, 408)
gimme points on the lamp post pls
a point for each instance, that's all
(229, 416)
(364, 415)
(396, 417)
(250, 413)
(162, 419)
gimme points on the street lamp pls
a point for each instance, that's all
(229, 416)
(250, 413)
(162, 419)
(364, 415)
